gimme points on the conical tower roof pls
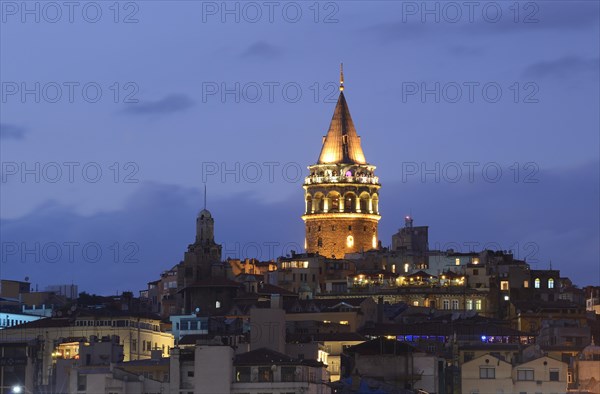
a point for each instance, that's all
(342, 143)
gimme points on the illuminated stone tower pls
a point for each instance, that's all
(341, 193)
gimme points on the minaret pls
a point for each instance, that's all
(341, 193)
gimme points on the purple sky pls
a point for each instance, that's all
(176, 60)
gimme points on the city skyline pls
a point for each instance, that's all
(543, 135)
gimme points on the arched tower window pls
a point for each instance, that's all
(308, 203)
(536, 283)
(334, 202)
(320, 242)
(319, 203)
(551, 283)
(375, 204)
(364, 203)
(350, 202)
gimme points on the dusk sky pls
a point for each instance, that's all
(482, 119)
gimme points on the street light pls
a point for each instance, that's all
(17, 389)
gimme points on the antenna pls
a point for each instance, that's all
(205, 196)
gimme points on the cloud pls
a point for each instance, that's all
(558, 216)
(551, 219)
(11, 131)
(563, 67)
(147, 236)
(169, 104)
(262, 49)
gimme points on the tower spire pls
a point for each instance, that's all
(205, 196)
(342, 143)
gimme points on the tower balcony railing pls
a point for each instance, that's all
(315, 179)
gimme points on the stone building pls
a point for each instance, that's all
(413, 242)
(204, 283)
(341, 193)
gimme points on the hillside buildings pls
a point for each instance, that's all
(346, 315)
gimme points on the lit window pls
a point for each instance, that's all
(469, 305)
(217, 304)
(406, 267)
(478, 305)
(457, 261)
(526, 284)
(506, 298)
(350, 241)
(454, 304)
(504, 285)
(487, 373)
(374, 242)
(344, 322)
(415, 303)
(394, 268)
(536, 283)
(551, 283)
(446, 304)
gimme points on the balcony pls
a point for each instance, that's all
(316, 179)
